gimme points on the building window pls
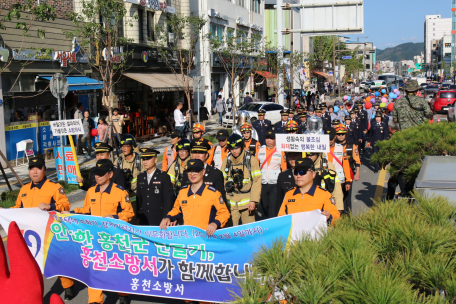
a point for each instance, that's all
(113, 22)
(150, 26)
(255, 6)
(368, 66)
(241, 2)
(434, 34)
(433, 29)
(216, 31)
(140, 25)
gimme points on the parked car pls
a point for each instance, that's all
(445, 86)
(443, 100)
(452, 87)
(272, 112)
(423, 86)
(362, 84)
(431, 89)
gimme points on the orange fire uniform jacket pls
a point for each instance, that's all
(113, 201)
(201, 208)
(47, 191)
(315, 198)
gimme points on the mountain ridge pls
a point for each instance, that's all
(404, 51)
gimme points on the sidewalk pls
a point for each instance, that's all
(22, 171)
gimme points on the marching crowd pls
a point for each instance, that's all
(237, 181)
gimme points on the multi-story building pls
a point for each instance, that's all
(435, 27)
(224, 17)
(364, 50)
(453, 31)
(144, 90)
(443, 56)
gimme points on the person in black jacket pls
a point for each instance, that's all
(102, 151)
(204, 114)
(213, 176)
(154, 193)
(285, 181)
(379, 131)
(279, 127)
(88, 124)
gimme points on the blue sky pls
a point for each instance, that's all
(388, 23)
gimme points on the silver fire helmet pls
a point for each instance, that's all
(314, 125)
(244, 117)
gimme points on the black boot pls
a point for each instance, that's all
(124, 300)
(69, 293)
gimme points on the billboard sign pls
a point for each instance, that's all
(329, 17)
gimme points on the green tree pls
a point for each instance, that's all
(179, 55)
(99, 28)
(240, 55)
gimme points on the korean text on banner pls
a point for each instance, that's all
(302, 143)
(67, 127)
(70, 166)
(182, 262)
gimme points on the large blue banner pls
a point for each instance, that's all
(182, 262)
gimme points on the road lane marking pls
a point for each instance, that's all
(380, 185)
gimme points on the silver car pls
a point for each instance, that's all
(272, 112)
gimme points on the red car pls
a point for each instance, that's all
(443, 100)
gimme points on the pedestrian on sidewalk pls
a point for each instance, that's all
(102, 129)
(204, 114)
(220, 106)
(179, 118)
(86, 141)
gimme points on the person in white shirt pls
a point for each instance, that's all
(179, 118)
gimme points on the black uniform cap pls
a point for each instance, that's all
(148, 152)
(335, 122)
(222, 134)
(199, 145)
(378, 114)
(36, 162)
(284, 112)
(348, 117)
(303, 164)
(101, 147)
(261, 112)
(270, 134)
(175, 134)
(196, 165)
(102, 167)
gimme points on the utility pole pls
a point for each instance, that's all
(334, 59)
(291, 59)
(279, 53)
(338, 59)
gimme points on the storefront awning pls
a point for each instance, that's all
(160, 82)
(78, 83)
(265, 74)
(327, 76)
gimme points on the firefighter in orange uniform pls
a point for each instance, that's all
(195, 203)
(250, 144)
(339, 157)
(45, 194)
(221, 149)
(170, 151)
(272, 162)
(108, 200)
(198, 131)
(307, 196)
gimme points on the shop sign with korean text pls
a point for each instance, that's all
(67, 127)
(70, 167)
(318, 143)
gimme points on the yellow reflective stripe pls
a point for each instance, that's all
(172, 177)
(224, 174)
(255, 173)
(245, 181)
(134, 180)
(132, 199)
(240, 203)
(337, 179)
